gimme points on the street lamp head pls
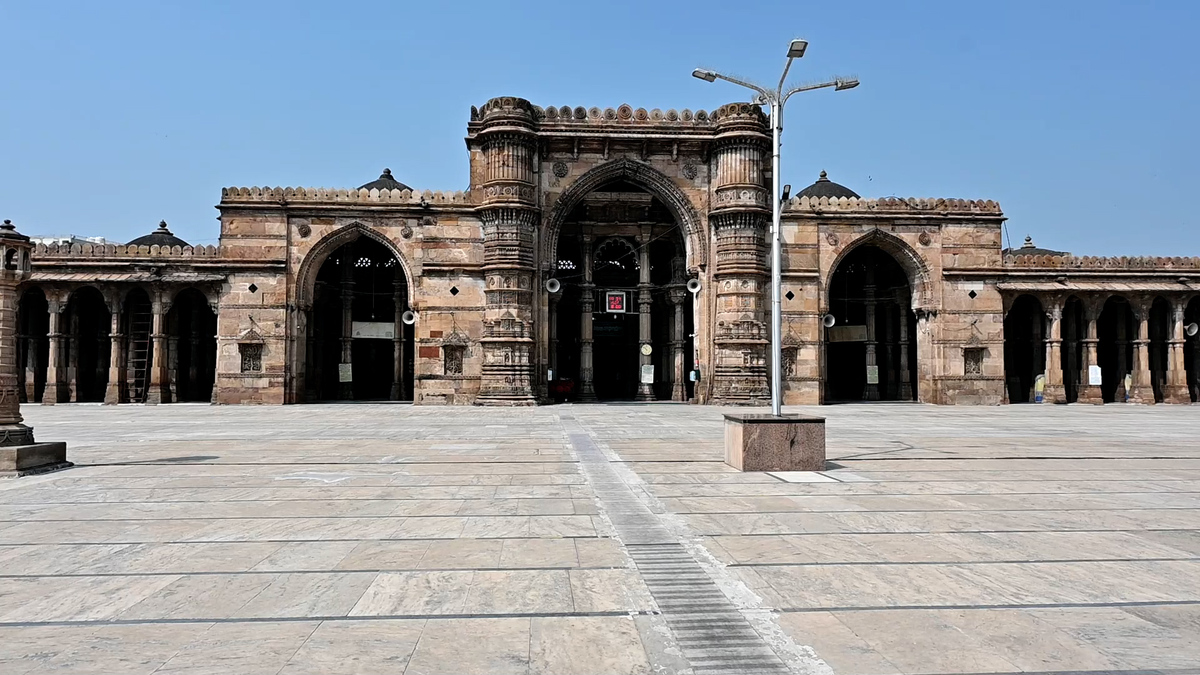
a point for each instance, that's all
(845, 83)
(706, 75)
(796, 48)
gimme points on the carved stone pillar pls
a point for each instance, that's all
(398, 297)
(1090, 393)
(871, 391)
(114, 392)
(54, 370)
(503, 131)
(1176, 388)
(739, 220)
(587, 306)
(193, 375)
(15, 267)
(645, 390)
(1055, 391)
(677, 295)
(346, 362)
(158, 392)
(72, 341)
(1143, 387)
(552, 319)
(905, 375)
(31, 368)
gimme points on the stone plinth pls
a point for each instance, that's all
(32, 458)
(763, 442)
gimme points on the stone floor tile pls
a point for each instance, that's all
(300, 595)
(586, 646)
(923, 642)
(520, 591)
(472, 647)
(414, 594)
(375, 647)
(539, 553)
(462, 554)
(836, 644)
(385, 556)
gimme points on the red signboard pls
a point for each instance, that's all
(616, 302)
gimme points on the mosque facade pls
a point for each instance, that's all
(601, 254)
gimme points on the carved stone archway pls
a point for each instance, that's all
(306, 276)
(645, 176)
(909, 260)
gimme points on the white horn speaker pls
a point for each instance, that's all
(1192, 329)
(828, 320)
(409, 317)
(694, 285)
(552, 285)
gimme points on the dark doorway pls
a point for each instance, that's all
(138, 327)
(1116, 329)
(870, 351)
(604, 245)
(1074, 330)
(88, 324)
(193, 344)
(33, 347)
(1159, 348)
(1024, 347)
(360, 290)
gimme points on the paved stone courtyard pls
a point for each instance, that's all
(601, 539)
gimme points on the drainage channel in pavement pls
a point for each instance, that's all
(712, 634)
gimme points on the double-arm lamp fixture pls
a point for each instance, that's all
(776, 99)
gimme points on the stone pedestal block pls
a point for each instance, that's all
(763, 442)
(33, 458)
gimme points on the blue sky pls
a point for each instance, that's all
(1080, 118)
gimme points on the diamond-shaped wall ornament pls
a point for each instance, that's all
(253, 288)
(790, 295)
(454, 290)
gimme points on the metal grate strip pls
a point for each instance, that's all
(712, 634)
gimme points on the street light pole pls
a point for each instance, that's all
(776, 100)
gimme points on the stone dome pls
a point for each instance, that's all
(385, 182)
(161, 237)
(826, 188)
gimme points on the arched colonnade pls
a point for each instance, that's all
(1102, 347)
(116, 343)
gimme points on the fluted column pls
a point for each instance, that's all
(158, 392)
(54, 373)
(739, 220)
(503, 132)
(1176, 388)
(1055, 391)
(114, 392)
(1090, 393)
(1143, 388)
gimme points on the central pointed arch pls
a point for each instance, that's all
(307, 275)
(645, 176)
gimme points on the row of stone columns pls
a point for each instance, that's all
(62, 371)
(1175, 389)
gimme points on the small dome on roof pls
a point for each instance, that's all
(1029, 248)
(162, 237)
(385, 182)
(826, 188)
